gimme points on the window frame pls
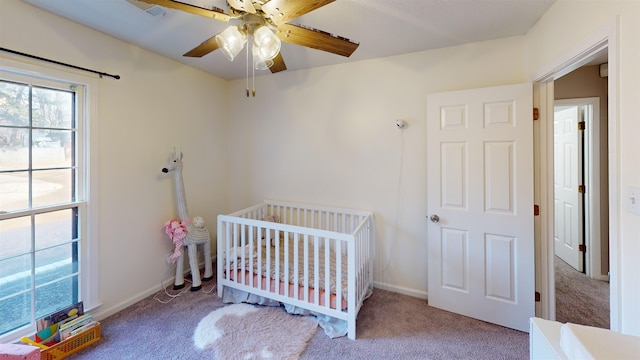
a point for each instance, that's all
(87, 88)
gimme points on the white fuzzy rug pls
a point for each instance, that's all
(243, 331)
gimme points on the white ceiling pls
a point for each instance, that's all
(382, 27)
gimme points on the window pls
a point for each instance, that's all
(43, 199)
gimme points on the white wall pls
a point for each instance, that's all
(328, 136)
(157, 104)
(567, 24)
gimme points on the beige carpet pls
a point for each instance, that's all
(242, 331)
(580, 299)
(390, 326)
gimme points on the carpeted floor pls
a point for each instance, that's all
(390, 326)
(244, 331)
(580, 299)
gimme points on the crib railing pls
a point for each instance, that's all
(315, 237)
(308, 216)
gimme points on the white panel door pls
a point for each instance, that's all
(567, 152)
(480, 188)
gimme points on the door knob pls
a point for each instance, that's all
(434, 218)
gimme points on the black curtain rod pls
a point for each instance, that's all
(117, 77)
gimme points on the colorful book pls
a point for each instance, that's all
(75, 322)
(76, 309)
(68, 329)
(83, 327)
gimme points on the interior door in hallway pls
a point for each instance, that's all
(568, 200)
(480, 203)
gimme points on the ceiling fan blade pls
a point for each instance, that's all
(214, 13)
(316, 39)
(282, 11)
(204, 48)
(278, 64)
(242, 5)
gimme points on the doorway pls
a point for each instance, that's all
(580, 175)
(581, 282)
(600, 44)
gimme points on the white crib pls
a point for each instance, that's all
(313, 257)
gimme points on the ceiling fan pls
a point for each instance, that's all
(267, 23)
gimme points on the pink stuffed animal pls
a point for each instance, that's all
(177, 231)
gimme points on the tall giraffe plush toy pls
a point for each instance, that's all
(196, 233)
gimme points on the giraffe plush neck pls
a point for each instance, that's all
(175, 165)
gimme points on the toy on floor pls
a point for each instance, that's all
(19, 352)
(196, 233)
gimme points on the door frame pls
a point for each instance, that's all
(592, 238)
(605, 39)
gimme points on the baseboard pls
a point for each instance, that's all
(101, 314)
(104, 313)
(401, 290)
(602, 278)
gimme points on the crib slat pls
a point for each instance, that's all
(285, 261)
(327, 272)
(314, 216)
(230, 257)
(277, 260)
(267, 244)
(323, 223)
(353, 288)
(306, 268)
(242, 254)
(296, 267)
(259, 253)
(338, 253)
(226, 247)
(251, 254)
(316, 270)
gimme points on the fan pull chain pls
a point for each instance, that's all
(247, 72)
(253, 70)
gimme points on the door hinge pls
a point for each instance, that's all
(536, 114)
(582, 189)
(582, 247)
(537, 296)
(536, 210)
(581, 125)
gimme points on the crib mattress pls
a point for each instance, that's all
(277, 258)
(261, 283)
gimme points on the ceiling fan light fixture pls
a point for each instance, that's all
(266, 42)
(231, 41)
(260, 63)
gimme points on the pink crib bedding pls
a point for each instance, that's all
(277, 256)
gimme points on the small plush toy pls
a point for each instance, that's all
(177, 231)
(272, 232)
(238, 251)
(198, 222)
